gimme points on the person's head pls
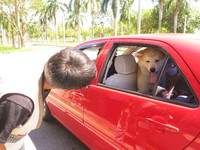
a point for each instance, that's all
(69, 69)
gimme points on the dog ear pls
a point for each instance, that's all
(138, 54)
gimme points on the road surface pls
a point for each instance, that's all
(53, 136)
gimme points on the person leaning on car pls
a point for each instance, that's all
(67, 69)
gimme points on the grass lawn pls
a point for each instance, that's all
(8, 49)
(53, 43)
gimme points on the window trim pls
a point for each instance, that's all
(89, 45)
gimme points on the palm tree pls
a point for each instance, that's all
(52, 7)
(115, 10)
(44, 17)
(77, 7)
(178, 6)
(175, 10)
(161, 3)
(95, 4)
(76, 21)
(3, 28)
(126, 13)
(139, 17)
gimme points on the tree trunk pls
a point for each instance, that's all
(46, 37)
(93, 25)
(22, 41)
(63, 24)
(55, 25)
(175, 19)
(56, 30)
(3, 35)
(139, 17)
(115, 26)
(79, 21)
(129, 20)
(92, 12)
(115, 14)
(121, 28)
(13, 37)
(185, 24)
(160, 16)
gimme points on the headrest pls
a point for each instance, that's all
(125, 64)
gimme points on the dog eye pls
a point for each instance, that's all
(157, 60)
(148, 61)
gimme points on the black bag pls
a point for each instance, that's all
(15, 109)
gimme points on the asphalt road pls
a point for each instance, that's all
(52, 135)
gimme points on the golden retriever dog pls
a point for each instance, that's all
(149, 60)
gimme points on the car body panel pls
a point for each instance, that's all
(104, 117)
(124, 121)
(194, 144)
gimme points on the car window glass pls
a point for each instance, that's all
(147, 70)
(173, 86)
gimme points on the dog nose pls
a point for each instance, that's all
(152, 69)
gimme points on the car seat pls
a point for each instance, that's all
(125, 78)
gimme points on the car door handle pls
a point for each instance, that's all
(78, 95)
(165, 127)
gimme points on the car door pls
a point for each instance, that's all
(67, 105)
(123, 119)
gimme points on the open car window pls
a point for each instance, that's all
(147, 70)
(92, 49)
(92, 52)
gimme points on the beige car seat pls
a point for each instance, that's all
(126, 77)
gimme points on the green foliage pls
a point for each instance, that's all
(86, 34)
(37, 18)
(103, 31)
(149, 22)
(184, 11)
(34, 30)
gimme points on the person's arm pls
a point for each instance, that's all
(2, 147)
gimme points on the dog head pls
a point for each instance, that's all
(150, 61)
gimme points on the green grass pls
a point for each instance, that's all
(8, 49)
(53, 43)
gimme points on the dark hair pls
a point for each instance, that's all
(70, 69)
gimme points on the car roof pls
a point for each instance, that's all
(186, 45)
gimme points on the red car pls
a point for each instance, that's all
(116, 116)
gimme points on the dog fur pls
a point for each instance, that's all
(149, 61)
